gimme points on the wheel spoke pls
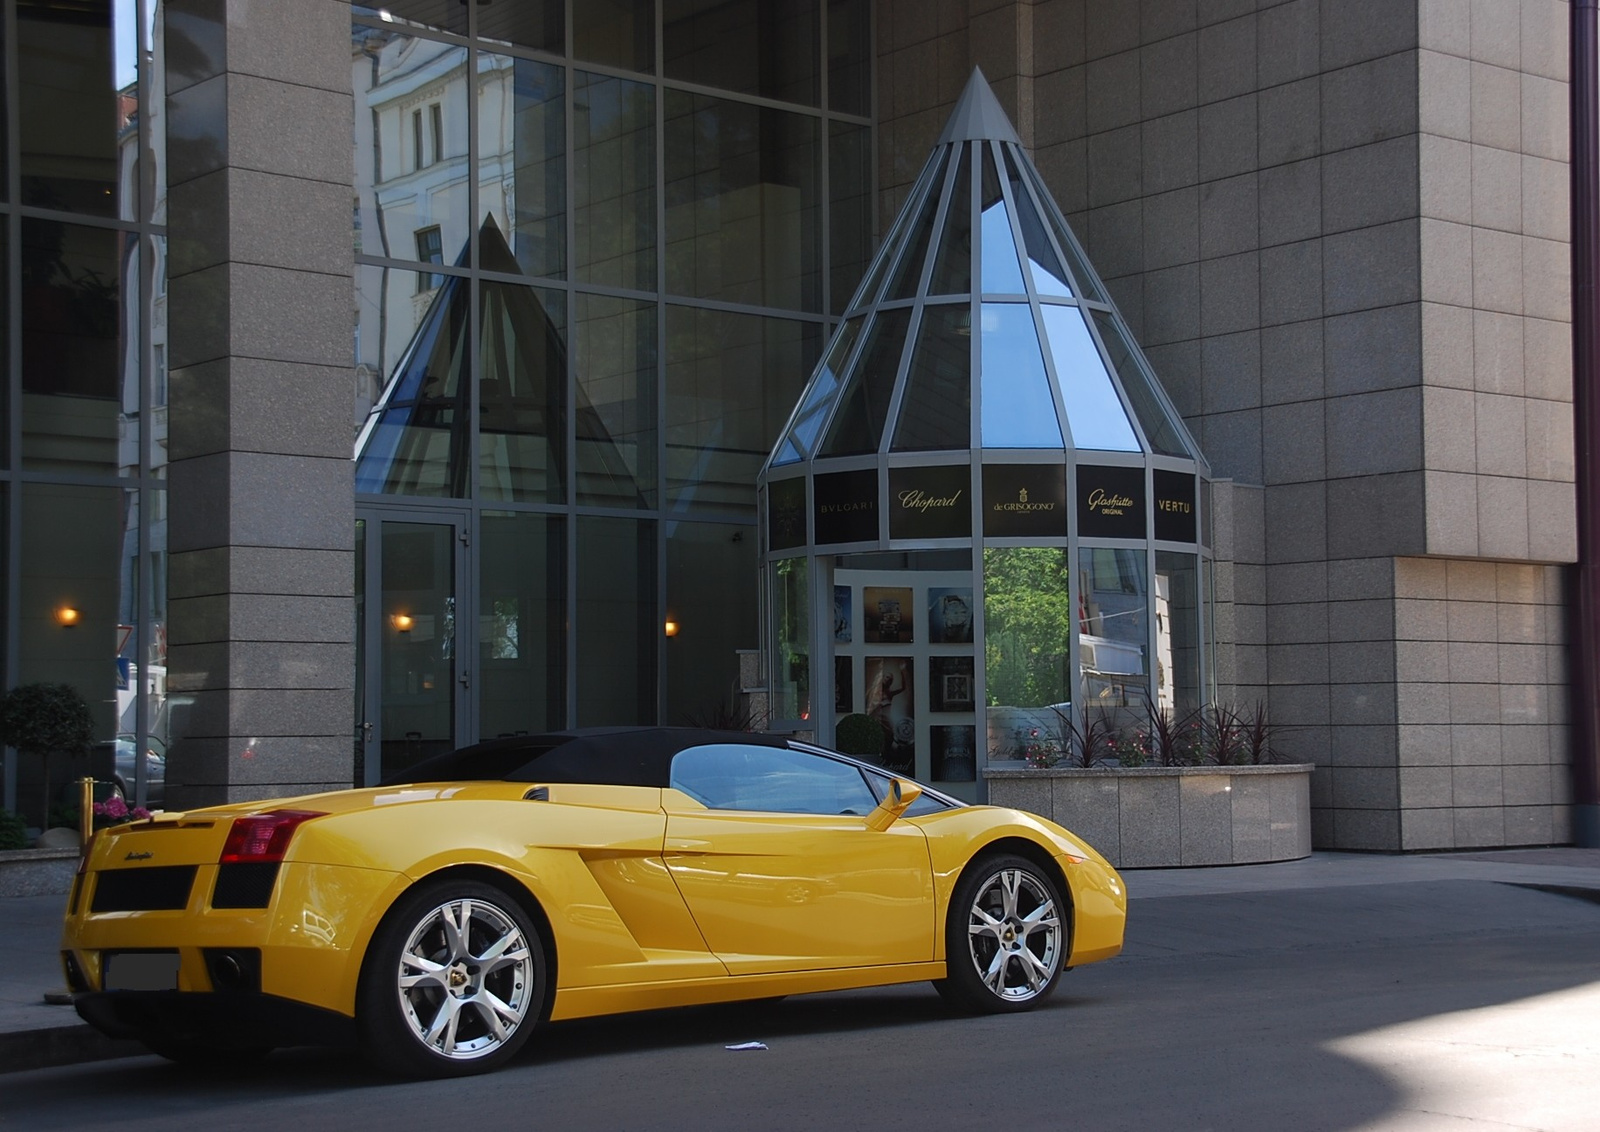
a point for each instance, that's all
(498, 1013)
(498, 948)
(455, 934)
(1009, 882)
(443, 1025)
(995, 976)
(1034, 968)
(1044, 916)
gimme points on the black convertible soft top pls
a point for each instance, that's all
(600, 756)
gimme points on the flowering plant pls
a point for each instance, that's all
(114, 811)
(1041, 751)
(1132, 748)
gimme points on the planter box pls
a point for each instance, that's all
(37, 872)
(1162, 817)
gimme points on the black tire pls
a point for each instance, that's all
(1006, 937)
(470, 1002)
(205, 1055)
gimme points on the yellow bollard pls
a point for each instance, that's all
(85, 810)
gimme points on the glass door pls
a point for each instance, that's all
(413, 674)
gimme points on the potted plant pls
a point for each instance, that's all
(43, 720)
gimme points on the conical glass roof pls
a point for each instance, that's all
(981, 325)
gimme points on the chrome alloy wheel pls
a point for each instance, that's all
(465, 979)
(1014, 934)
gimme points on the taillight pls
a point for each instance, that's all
(263, 837)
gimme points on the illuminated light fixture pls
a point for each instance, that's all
(67, 616)
(670, 628)
(402, 622)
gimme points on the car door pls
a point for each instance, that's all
(771, 852)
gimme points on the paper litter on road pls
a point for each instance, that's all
(748, 1045)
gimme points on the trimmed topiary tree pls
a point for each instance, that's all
(42, 719)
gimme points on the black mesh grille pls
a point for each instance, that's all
(247, 885)
(162, 888)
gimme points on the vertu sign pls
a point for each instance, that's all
(1175, 509)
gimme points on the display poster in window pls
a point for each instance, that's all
(1175, 506)
(844, 691)
(786, 513)
(930, 502)
(953, 753)
(1025, 500)
(950, 616)
(1111, 502)
(890, 700)
(950, 681)
(886, 615)
(846, 507)
(841, 615)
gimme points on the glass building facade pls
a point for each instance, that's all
(83, 505)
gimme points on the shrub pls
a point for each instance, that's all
(13, 833)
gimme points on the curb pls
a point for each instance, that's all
(73, 1044)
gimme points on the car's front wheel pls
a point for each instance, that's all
(453, 983)
(1005, 937)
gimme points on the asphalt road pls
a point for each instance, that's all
(1427, 1006)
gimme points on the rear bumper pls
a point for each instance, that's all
(213, 1017)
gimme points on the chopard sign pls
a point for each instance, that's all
(915, 500)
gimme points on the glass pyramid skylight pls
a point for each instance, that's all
(980, 324)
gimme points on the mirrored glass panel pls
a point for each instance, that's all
(850, 56)
(1114, 627)
(158, 355)
(616, 402)
(711, 613)
(1000, 272)
(619, 33)
(1076, 262)
(1018, 410)
(1045, 267)
(864, 406)
(813, 411)
(849, 210)
(763, 47)
(616, 623)
(80, 364)
(523, 392)
(411, 373)
(790, 676)
(410, 146)
(522, 647)
(742, 193)
(614, 181)
(890, 249)
(1095, 415)
(907, 275)
(418, 641)
(936, 409)
(732, 380)
(445, 15)
(952, 271)
(526, 23)
(522, 160)
(77, 98)
(1027, 611)
(1159, 429)
(1178, 641)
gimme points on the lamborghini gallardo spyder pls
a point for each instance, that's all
(437, 919)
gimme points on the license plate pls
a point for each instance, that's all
(141, 970)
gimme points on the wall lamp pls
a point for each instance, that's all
(67, 616)
(670, 628)
(402, 622)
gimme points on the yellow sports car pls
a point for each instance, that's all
(436, 919)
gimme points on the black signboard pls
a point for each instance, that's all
(1110, 502)
(1175, 506)
(1025, 500)
(846, 507)
(930, 502)
(786, 513)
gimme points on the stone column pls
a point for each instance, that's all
(261, 613)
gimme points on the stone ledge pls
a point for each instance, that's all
(37, 872)
(1166, 817)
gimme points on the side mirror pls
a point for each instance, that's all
(902, 792)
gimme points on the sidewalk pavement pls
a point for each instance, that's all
(35, 1035)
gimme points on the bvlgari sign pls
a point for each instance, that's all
(846, 507)
(1111, 502)
(1025, 500)
(930, 502)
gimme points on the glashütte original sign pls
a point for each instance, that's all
(1175, 509)
(786, 513)
(1025, 500)
(845, 507)
(1111, 502)
(930, 502)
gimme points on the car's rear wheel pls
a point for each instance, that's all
(453, 983)
(1005, 937)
